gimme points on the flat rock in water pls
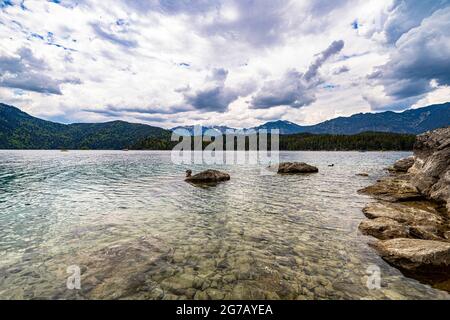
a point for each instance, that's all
(296, 167)
(384, 228)
(404, 220)
(416, 255)
(403, 165)
(403, 213)
(209, 176)
(393, 189)
(362, 174)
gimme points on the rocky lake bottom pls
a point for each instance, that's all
(136, 230)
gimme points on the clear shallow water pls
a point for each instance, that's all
(138, 231)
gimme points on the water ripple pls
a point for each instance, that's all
(139, 231)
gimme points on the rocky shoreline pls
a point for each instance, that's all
(411, 217)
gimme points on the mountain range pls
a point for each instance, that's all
(412, 121)
(19, 130)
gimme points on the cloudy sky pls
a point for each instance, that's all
(237, 63)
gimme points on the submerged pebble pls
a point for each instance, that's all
(254, 237)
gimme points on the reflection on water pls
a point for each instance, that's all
(138, 231)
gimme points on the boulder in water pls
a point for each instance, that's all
(296, 167)
(384, 228)
(208, 176)
(416, 255)
(403, 220)
(410, 213)
(403, 165)
(393, 189)
(362, 174)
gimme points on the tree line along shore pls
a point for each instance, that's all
(368, 141)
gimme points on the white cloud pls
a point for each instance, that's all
(418, 65)
(151, 61)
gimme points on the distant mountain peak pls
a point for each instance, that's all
(21, 130)
(413, 121)
(190, 129)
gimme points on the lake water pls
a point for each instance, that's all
(136, 230)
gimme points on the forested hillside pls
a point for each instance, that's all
(19, 130)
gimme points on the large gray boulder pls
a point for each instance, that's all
(208, 176)
(403, 165)
(430, 173)
(296, 167)
(416, 255)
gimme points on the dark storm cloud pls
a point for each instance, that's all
(119, 39)
(422, 55)
(9, 64)
(33, 82)
(110, 110)
(152, 118)
(215, 99)
(334, 48)
(216, 96)
(173, 6)
(291, 90)
(259, 23)
(342, 69)
(139, 114)
(295, 89)
(398, 105)
(26, 72)
(406, 15)
(25, 61)
(218, 74)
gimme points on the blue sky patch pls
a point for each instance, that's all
(226, 60)
(5, 3)
(329, 86)
(38, 36)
